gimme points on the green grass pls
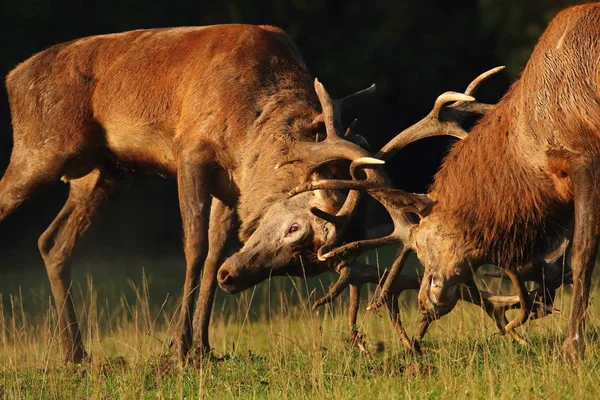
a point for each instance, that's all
(278, 348)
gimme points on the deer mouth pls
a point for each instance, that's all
(431, 308)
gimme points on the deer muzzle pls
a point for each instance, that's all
(436, 297)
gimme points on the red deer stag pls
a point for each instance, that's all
(527, 172)
(215, 108)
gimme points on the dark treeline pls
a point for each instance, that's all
(413, 50)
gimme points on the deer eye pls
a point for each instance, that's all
(293, 228)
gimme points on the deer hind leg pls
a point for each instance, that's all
(25, 175)
(86, 195)
(586, 196)
(219, 233)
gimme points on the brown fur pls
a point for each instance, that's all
(216, 107)
(526, 170)
(506, 187)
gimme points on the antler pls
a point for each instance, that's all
(353, 99)
(357, 273)
(429, 126)
(333, 148)
(495, 306)
(398, 202)
(434, 124)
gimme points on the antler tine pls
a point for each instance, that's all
(351, 127)
(328, 111)
(474, 85)
(336, 289)
(349, 273)
(432, 125)
(395, 270)
(355, 98)
(475, 107)
(446, 98)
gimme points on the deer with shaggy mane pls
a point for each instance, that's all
(525, 179)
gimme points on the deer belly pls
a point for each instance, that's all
(146, 147)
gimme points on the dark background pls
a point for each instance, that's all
(413, 50)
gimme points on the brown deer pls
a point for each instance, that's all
(216, 108)
(528, 171)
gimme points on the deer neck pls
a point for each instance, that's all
(261, 184)
(494, 193)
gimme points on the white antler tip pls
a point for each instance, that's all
(369, 161)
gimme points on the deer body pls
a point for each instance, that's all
(508, 192)
(214, 107)
(139, 97)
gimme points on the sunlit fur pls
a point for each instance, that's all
(505, 189)
(215, 107)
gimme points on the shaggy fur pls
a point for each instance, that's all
(505, 189)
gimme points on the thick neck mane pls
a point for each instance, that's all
(284, 122)
(495, 199)
(505, 190)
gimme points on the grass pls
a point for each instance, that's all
(278, 348)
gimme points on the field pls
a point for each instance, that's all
(274, 346)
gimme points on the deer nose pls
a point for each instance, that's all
(224, 275)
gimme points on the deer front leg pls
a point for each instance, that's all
(193, 182)
(220, 230)
(394, 311)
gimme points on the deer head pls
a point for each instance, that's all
(291, 233)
